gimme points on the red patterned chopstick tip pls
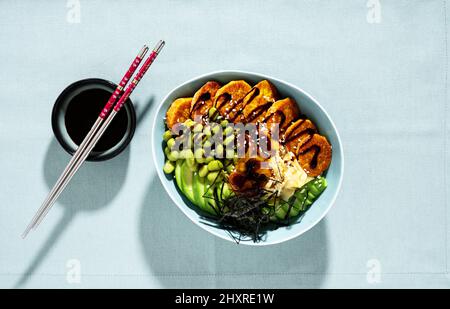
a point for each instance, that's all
(119, 90)
(139, 75)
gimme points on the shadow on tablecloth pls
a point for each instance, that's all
(182, 255)
(94, 186)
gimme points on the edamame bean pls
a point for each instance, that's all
(216, 129)
(166, 151)
(207, 144)
(189, 123)
(213, 176)
(229, 154)
(200, 155)
(184, 154)
(198, 128)
(198, 138)
(200, 160)
(189, 154)
(191, 163)
(230, 168)
(189, 143)
(212, 112)
(169, 167)
(167, 135)
(203, 171)
(171, 143)
(229, 140)
(215, 165)
(207, 131)
(228, 130)
(173, 156)
(224, 123)
(209, 159)
(219, 151)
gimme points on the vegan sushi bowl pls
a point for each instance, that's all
(247, 157)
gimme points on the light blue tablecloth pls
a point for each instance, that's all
(380, 71)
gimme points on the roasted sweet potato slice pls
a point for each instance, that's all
(282, 112)
(297, 134)
(229, 98)
(315, 155)
(178, 111)
(257, 101)
(249, 174)
(203, 99)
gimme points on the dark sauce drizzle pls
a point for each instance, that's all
(200, 102)
(278, 113)
(258, 111)
(224, 98)
(316, 150)
(295, 135)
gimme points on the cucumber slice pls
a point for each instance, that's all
(313, 190)
(284, 205)
(294, 212)
(311, 196)
(295, 209)
(302, 199)
(280, 213)
(299, 203)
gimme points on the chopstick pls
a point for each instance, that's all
(104, 112)
(96, 132)
(99, 133)
(104, 126)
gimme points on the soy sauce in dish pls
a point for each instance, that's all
(83, 111)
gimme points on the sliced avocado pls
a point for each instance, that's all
(178, 174)
(186, 181)
(198, 187)
(210, 203)
(202, 196)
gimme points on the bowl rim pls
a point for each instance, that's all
(270, 78)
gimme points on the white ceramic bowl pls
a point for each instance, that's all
(308, 106)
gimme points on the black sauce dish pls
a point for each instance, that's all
(77, 108)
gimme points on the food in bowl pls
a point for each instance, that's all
(248, 159)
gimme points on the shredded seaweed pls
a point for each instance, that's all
(248, 216)
(245, 216)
